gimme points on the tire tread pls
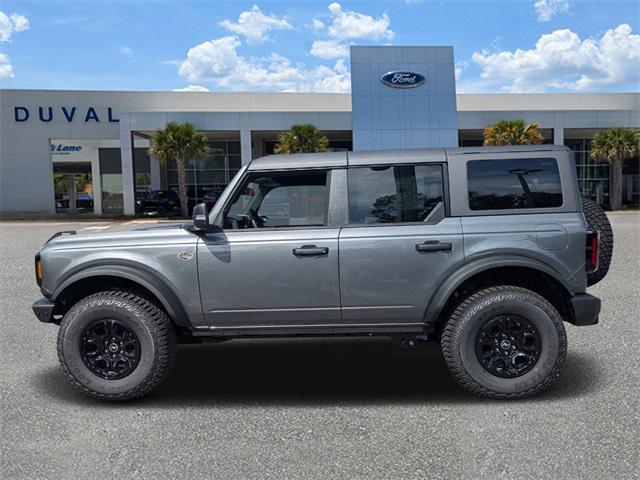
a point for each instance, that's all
(160, 328)
(597, 220)
(451, 340)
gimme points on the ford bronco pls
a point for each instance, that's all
(488, 250)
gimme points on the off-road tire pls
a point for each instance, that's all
(460, 335)
(597, 220)
(155, 332)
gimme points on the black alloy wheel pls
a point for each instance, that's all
(109, 349)
(508, 346)
(504, 342)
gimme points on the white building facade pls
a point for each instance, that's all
(70, 152)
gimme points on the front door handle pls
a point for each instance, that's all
(433, 246)
(307, 250)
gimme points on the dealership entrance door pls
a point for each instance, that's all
(73, 187)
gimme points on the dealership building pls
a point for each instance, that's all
(70, 152)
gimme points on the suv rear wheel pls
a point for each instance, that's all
(116, 345)
(505, 342)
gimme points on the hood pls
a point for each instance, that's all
(140, 235)
(156, 226)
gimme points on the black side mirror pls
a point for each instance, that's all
(201, 217)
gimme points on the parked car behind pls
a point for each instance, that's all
(158, 202)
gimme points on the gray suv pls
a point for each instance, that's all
(488, 250)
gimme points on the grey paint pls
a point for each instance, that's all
(300, 160)
(136, 255)
(372, 278)
(382, 276)
(397, 156)
(251, 278)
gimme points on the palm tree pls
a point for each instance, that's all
(179, 141)
(302, 139)
(513, 132)
(615, 145)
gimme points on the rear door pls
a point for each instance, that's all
(399, 244)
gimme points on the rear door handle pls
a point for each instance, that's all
(433, 246)
(308, 250)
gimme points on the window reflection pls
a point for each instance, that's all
(514, 184)
(393, 194)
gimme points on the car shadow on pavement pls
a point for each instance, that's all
(317, 372)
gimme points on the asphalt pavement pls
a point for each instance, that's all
(327, 408)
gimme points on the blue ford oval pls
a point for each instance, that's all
(401, 79)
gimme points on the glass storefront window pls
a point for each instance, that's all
(73, 187)
(593, 176)
(111, 181)
(207, 177)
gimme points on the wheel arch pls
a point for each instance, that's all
(518, 271)
(90, 280)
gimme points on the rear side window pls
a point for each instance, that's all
(514, 183)
(393, 194)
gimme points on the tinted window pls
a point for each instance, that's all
(514, 183)
(281, 200)
(393, 194)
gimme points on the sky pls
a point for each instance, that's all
(507, 46)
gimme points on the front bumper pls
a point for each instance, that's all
(43, 309)
(586, 309)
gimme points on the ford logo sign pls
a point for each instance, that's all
(402, 79)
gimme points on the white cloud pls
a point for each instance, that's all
(192, 88)
(460, 67)
(316, 25)
(348, 25)
(345, 26)
(329, 49)
(213, 58)
(254, 25)
(562, 60)
(6, 70)
(217, 61)
(10, 24)
(547, 9)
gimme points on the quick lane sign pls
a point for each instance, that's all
(47, 114)
(62, 149)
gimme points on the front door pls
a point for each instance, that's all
(399, 244)
(275, 264)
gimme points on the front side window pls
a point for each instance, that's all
(280, 199)
(393, 194)
(514, 184)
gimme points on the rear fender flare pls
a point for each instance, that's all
(440, 298)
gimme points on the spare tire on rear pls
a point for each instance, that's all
(597, 220)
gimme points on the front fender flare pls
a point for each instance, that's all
(146, 279)
(440, 298)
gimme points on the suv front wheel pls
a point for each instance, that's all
(116, 345)
(505, 342)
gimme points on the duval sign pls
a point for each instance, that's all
(402, 79)
(47, 114)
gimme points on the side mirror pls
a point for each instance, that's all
(201, 217)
